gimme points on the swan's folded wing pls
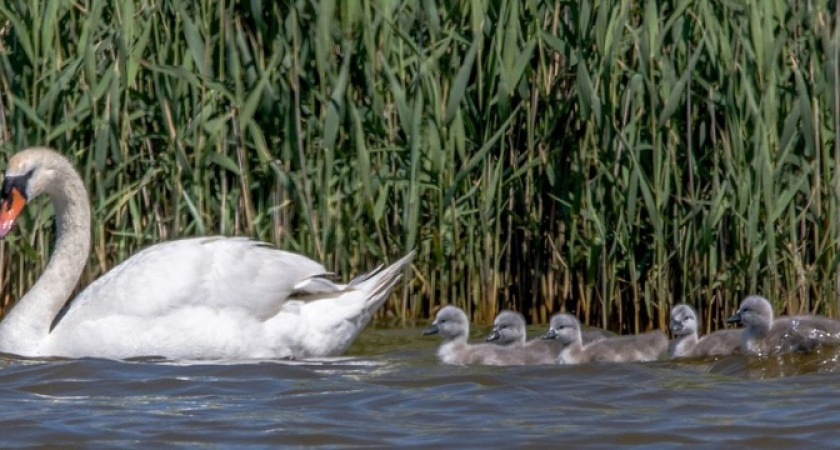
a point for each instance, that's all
(316, 285)
(215, 272)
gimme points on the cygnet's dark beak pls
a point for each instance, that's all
(677, 327)
(734, 319)
(494, 336)
(549, 336)
(431, 329)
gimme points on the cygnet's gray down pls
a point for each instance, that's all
(509, 331)
(509, 328)
(686, 344)
(641, 347)
(454, 326)
(762, 335)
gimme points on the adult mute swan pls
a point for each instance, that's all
(201, 298)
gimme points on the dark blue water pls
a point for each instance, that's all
(390, 391)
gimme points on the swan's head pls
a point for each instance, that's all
(564, 328)
(755, 311)
(509, 327)
(29, 173)
(450, 322)
(683, 320)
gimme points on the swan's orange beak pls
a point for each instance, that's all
(10, 210)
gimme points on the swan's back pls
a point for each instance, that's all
(208, 272)
(219, 298)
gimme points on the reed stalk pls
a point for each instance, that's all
(606, 158)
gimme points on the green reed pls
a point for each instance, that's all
(607, 158)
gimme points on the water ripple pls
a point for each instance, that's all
(402, 396)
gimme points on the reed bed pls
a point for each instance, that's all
(601, 157)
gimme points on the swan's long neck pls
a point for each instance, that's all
(28, 323)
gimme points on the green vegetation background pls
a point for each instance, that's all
(605, 157)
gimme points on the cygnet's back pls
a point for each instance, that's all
(592, 334)
(642, 347)
(686, 344)
(763, 335)
(454, 326)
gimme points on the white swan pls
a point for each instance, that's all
(201, 298)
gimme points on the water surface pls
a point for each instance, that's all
(390, 391)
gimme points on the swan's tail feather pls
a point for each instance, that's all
(378, 283)
(364, 277)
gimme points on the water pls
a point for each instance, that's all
(390, 391)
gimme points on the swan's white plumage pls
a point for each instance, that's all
(215, 272)
(166, 304)
(200, 298)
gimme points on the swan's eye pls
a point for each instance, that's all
(18, 182)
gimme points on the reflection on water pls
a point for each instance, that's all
(392, 391)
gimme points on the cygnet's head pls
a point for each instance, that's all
(508, 328)
(450, 322)
(755, 311)
(564, 328)
(683, 320)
